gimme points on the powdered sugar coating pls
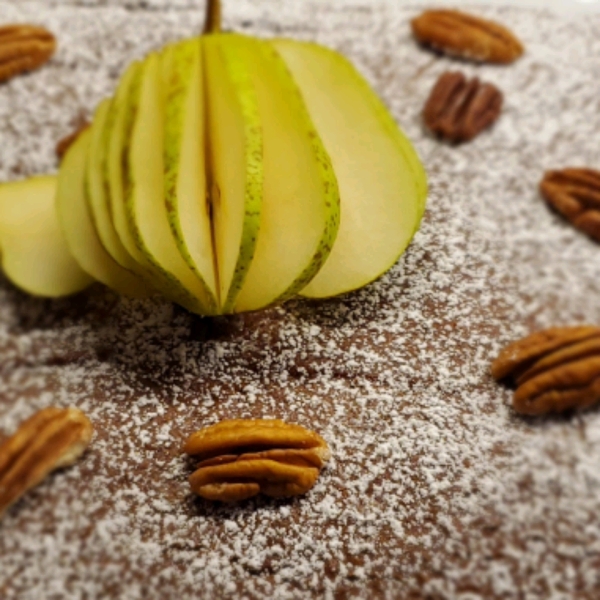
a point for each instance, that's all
(435, 489)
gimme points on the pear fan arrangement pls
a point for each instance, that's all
(227, 173)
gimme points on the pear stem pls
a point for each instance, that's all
(212, 23)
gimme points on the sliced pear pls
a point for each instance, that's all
(235, 165)
(144, 181)
(97, 193)
(381, 180)
(185, 162)
(119, 124)
(300, 207)
(35, 255)
(78, 226)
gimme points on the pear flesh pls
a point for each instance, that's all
(35, 256)
(145, 207)
(235, 164)
(119, 125)
(300, 203)
(382, 183)
(229, 173)
(97, 196)
(78, 226)
(185, 162)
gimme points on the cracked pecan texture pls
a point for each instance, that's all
(66, 142)
(241, 458)
(553, 371)
(459, 109)
(50, 439)
(575, 194)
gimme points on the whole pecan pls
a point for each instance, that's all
(553, 370)
(575, 194)
(242, 458)
(50, 439)
(464, 35)
(24, 48)
(459, 109)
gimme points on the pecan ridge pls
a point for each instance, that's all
(575, 194)
(50, 439)
(242, 458)
(24, 48)
(554, 370)
(459, 109)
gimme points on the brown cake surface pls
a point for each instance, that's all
(435, 489)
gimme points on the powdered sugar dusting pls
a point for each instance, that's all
(435, 489)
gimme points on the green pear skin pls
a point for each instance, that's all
(78, 227)
(300, 207)
(381, 180)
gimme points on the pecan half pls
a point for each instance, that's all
(464, 35)
(553, 370)
(575, 194)
(50, 439)
(24, 48)
(459, 109)
(242, 458)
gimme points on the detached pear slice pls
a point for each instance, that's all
(235, 163)
(35, 255)
(300, 206)
(381, 180)
(185, 188)
(144, 180)
(78, 226)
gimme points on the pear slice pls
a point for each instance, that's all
(111, 161)
(96, 189)
(78, 226)
(381, 180)
(300, 206)
(144, 197)
(35, 255)
(185, 161)
(118, 127)
(235, 163)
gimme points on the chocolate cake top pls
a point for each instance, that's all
(435, 488)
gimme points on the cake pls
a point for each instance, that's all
(435, 488)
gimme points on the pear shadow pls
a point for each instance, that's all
(152, 345)
(97, 325)
(363, 304)
(571, 417)
(30, 313)
(197, 506)
(457, 59)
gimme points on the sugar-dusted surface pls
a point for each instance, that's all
(564, 7)
(435, 489)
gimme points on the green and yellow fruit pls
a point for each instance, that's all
(229, 173)
(34, 252)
